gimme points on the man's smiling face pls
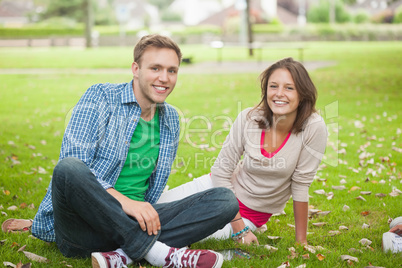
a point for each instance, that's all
(155, 76)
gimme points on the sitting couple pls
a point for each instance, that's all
(101, 203)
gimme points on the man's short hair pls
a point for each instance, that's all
(154, 40)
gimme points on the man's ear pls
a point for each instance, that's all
(135, 68)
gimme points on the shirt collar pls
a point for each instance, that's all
(128, 93)
(128, 97)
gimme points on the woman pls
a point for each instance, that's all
(282, 141)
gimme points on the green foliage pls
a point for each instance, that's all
(65, 8)
(267, 28)
(320, 12)
(199, 29)
(398, 15)
(361, 17)
(46, 31)
(169, 16)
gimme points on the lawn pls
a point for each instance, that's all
(359, 99)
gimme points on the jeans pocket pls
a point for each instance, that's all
(71, 250)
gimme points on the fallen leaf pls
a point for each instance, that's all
(22, 248)
(332, 233)
(291, 225)
(323, 213)
(35, 257)
(293, 255)
(30, 146)
(271, 248)
(306, 256)
(23, 205)
(302, 266)
(319, 191)
(365, 226)
(312, 212)
(320, 257)
(261, 229)
(9, 264)
(345, 208)
(365, 192)
(274, 237)
(347, 257)
(365, 242)
(319, 248)
(342, 187)
(6, 192)
(41, 170)
(380, 195)
(354, 188)
(360, 198)
(343, 227)
(309, 248)
(343, 181)
(370, 248)
(353, 250)
(284, 265)
(365, 213)
(319, 224)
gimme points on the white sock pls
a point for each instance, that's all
(122, 253)
(157, 254)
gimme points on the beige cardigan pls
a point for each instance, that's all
(265, 184)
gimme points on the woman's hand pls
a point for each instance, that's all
(250, 238)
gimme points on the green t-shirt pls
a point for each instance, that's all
(141, 159)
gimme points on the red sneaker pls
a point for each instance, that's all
(188, 258)
(110, 259)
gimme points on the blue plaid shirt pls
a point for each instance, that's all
(99, 133)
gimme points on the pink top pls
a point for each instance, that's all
(256, 217)
(265, 153)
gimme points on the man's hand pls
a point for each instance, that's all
(143, 212)
(397, 229)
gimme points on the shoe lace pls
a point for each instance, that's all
(178, 254)
(116, 261)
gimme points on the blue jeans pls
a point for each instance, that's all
(88, 219)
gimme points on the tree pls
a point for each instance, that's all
(249, 28)
(65, 8)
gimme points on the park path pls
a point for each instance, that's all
(195, 68)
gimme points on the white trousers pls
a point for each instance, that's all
(195, 186)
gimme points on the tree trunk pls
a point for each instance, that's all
(88, 22)
(249, 29)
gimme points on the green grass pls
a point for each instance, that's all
(364, 86)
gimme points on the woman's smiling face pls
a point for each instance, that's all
(282, 96)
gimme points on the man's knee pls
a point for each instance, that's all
(230, 204)
(67, 167)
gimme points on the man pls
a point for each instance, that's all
(115, 159)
